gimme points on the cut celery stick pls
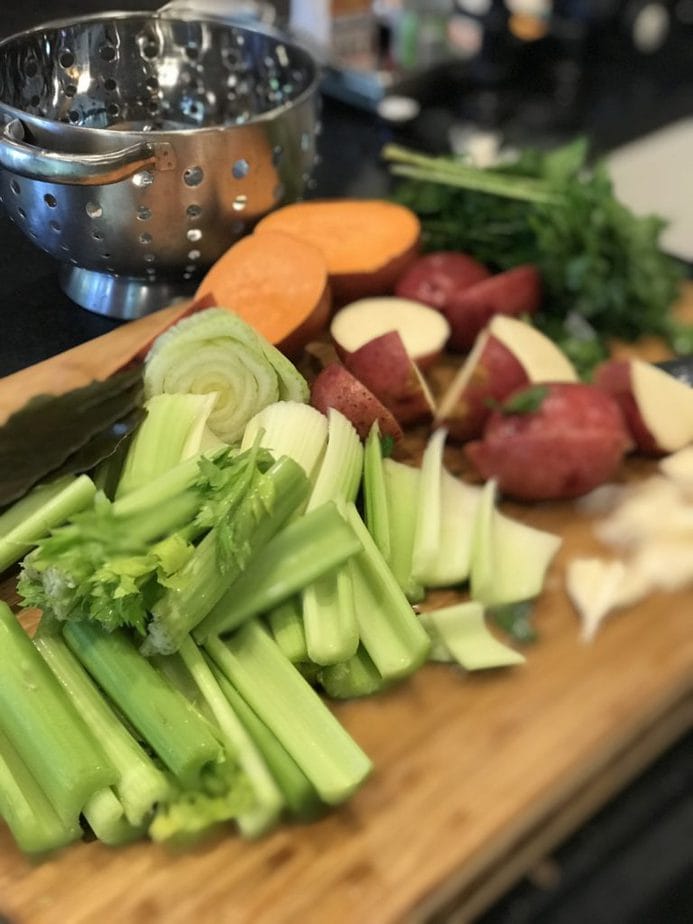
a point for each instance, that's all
(170, 433)
(429, 506)
(463, 631)
(329, 617)
(29, 815)
(286, 624)
(292, 710)
(44, 727)
(353, 678)
(303, 551)
(402, 490)
(439, 651)
(509, 558)
(269, 801)
(389, 630)
(299, 793)
(41, 510)
(107, 820)
(459, 504)
(374, 494)
(289, 428)
(339, 474)
(164, 718)
(141, 784)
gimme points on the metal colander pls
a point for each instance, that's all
(136, 148)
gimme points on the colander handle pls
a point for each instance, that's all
(24, 159)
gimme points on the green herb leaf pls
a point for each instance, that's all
(527, 401)
(515, 620)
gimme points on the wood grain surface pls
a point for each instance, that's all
(476, 777)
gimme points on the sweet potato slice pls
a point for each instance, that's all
(367, 243)
(275, 282)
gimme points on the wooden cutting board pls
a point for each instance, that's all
(476, 778)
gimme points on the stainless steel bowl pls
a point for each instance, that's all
(137, 147)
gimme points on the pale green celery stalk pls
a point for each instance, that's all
(269, 800)
(106, 817)
(174, 487)
(402, 490)
(304, 550)
(353, 678)
(292, 710)
(299, 793)
(162, 716)
(462, 630)
(170, 433)
(286, 624)
(390, 632)
(289, 428)
(194, 594)
(340, 471)
(459, 505)
(329, 617)
(141, 784)
(374, 494)
(29, 815)
(44, 727)
(439, 650)
(509, 558)
(429, 505)
(44, 508)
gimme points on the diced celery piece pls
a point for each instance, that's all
(106, 818)
(374, 494)
(329, 617)
(459, 503)
(289, 428)
(429, 507)
(339, 475)
(462, 630)
(286, 624)
(353, 678)
(402, 489)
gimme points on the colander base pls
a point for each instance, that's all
(121, 297)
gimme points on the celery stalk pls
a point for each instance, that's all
(44, 727)
(294, 712)
(299, 793)
(329, 617)
(375, 496)
(357, 676)
(269, 801)
(171, 432)
(303, 551)
(164, 718)
(340, 471)
(402, 489)
(29, 815)
(194, 594)
(286, 624)
(107, 820)
(141, 784)
(429, 507)
(462, 630)
(44, 508)
(459, 505)
(390, 632)
(289, 428)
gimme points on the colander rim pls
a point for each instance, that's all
(14, 112)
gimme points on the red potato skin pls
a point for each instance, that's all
(436, 279)
(386, 369)
(514, 292)
(336, 387)
(613, 377)
(496, 375)
(574, 442)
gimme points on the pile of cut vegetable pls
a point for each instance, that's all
(220, 541)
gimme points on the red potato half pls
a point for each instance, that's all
(657, 407)
(515, 292)
(424, 331)
(386, 369)
(507, 355)
(336, 387)
(573, 442)
(436, 279)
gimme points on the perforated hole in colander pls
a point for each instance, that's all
(193, 211)
(66, 59)
(240, 169)
(50, 200)
(239, 203)
(193, 176)
(193, 235)
(144, 213)
(145, 238)
(93, 210)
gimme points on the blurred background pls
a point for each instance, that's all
(481, 78)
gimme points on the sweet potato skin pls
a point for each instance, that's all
(515, 292)
(572, 443)
(613, 377)
(437, 279)
(386, 369)
(336, 387)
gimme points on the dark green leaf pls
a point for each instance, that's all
(515, 620)
(527, 401)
